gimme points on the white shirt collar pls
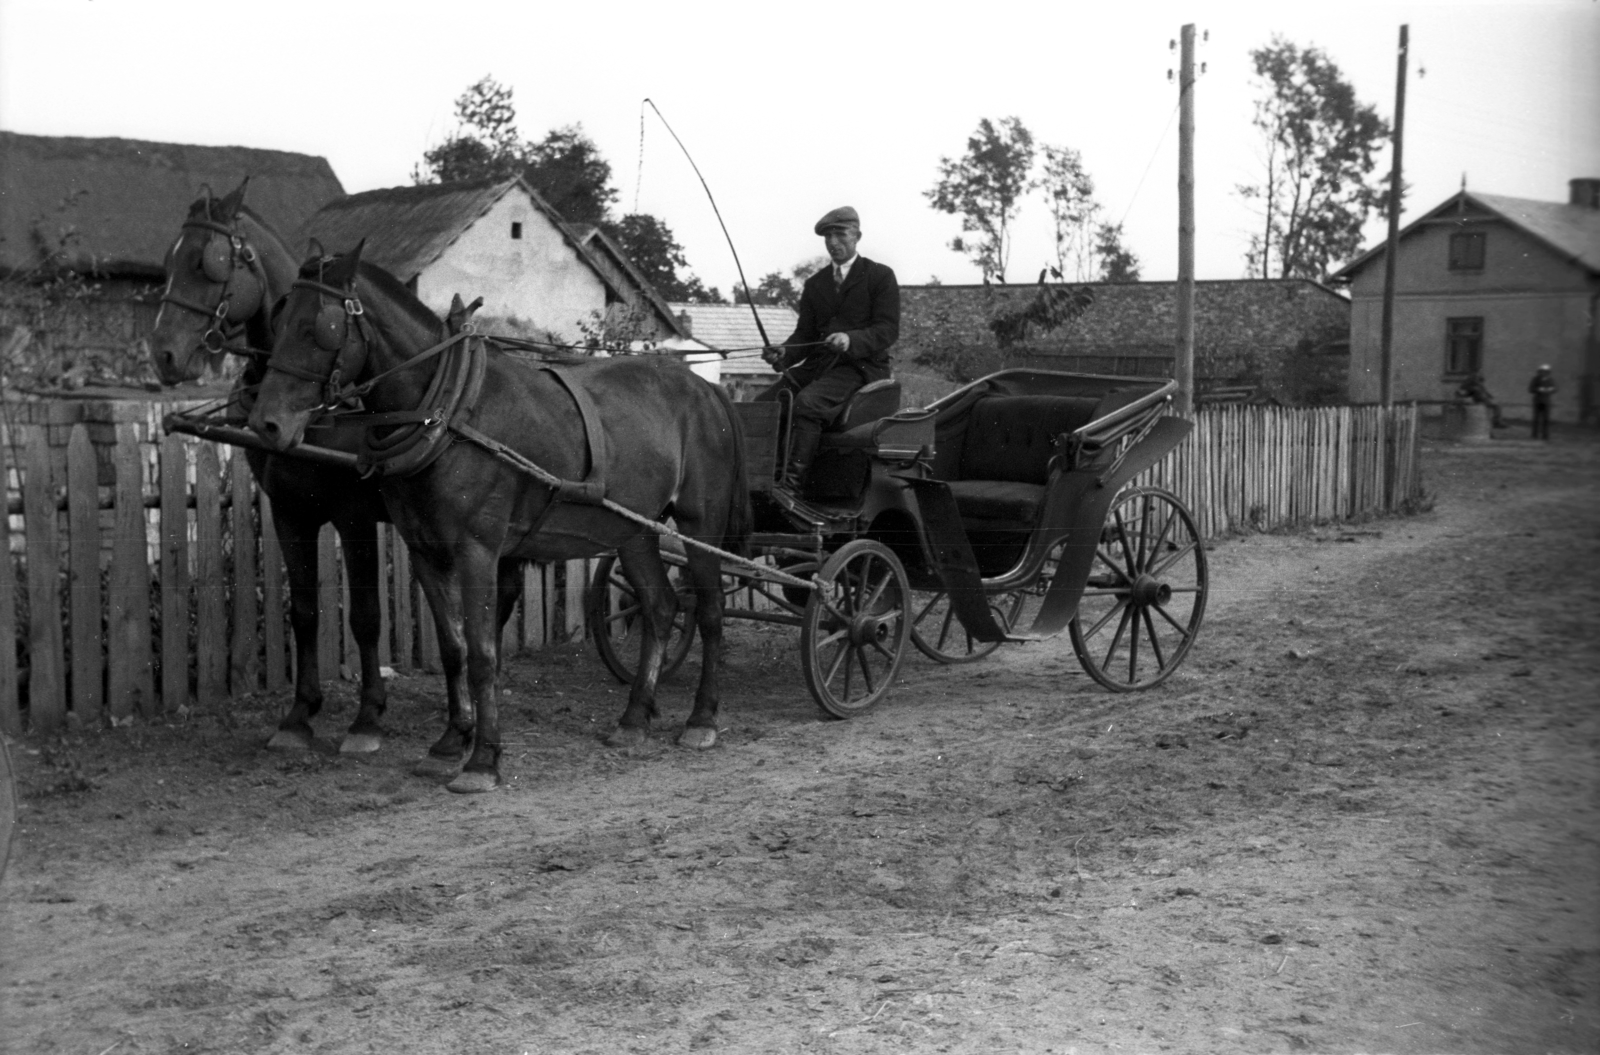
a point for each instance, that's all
(843, 270)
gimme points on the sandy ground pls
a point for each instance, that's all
(1362, 817)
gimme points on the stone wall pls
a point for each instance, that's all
(1288, 339)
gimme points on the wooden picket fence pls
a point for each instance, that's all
(181, 537)
(1248, 468)
(129, 534)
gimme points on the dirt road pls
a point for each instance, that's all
(1361, 818)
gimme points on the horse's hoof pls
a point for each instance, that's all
(697, 737)
(626, 736)
(474, 782)
(360, 744)
(437, 768)
(290, 740)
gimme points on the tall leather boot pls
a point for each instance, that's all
(802, 449)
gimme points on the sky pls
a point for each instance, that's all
(792, 111)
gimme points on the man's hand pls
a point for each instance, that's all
(838, 342)
(773, 356)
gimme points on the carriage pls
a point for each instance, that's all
(999, 513)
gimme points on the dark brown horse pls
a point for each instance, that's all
(224, 273)
(641, 431)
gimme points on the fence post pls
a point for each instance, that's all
(83, 575)
(46, 697)
(274, 646)
(10, 713)
(174, 575)
(210, 587)
(405, 623)
(130, 685)
(533, 632)
(244, 666)
(327, 605)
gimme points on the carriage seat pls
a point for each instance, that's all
(998, 477)
(874, 400)
(873, 421)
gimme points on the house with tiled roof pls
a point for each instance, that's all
(1486, 284)
(539, 277)
(107, 210)
(731, 329)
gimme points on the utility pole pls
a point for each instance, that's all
(1183, 366)
(1392, 245)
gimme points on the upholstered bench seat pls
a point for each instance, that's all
(1006, 449)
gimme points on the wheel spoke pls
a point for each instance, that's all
(1122, 538)
(1155, 643)
(1161, 539)
(1175, 624)
(866, 670)
(1133, 647)
(1093, 630)
(838, 658)
(1175, 558)
(1117, 637)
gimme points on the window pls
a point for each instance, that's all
(516, 229)
(1463, 353)
(1466, 251)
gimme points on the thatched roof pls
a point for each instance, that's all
(124, 198)
(408, 228)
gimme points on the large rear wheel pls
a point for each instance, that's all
(616, 621)
(1146, 593)
(939, 635)
(854, 630)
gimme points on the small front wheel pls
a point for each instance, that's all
(1146, 593)
(854, 630)
(616, 620)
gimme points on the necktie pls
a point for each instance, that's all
(838, 276)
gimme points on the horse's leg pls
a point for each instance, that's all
(658, 603)
(705, 574)
(361, 558)
(297, 539)
(509, 591)
(441, 589)
(482, 581)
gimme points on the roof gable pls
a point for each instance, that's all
(122, 199)
(730, 326)
(406, 228)
(1571, 231)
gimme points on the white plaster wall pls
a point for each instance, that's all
(538, 280)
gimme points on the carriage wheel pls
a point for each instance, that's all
(617, 625)
(1146, 593)
(853, 634)
(939, 635)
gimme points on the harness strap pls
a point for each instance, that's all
(595, 483)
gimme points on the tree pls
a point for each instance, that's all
(777, 288)
(1321, 146)
(984, 187)
(654, 250)
(569, 173)
(1117, 262)
(485, 146)
(1069, 192)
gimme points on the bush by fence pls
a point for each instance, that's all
(116, 536)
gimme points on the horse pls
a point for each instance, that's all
(507, 460)
(224, 273)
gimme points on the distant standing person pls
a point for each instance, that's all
(1542, 388)
(849, 318)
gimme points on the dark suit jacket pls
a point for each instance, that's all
(867, 308)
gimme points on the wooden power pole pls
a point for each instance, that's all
(1183, 366)
(1392, 245)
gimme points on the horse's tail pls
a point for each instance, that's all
(740, 517)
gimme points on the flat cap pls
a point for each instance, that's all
(843, 216)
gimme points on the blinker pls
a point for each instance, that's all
(244, 295)
(331, 327)
(217, 259)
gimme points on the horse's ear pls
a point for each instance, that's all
(460, 313)
(342, 270)
(314, 247)
(228, 207)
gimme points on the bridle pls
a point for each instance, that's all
(331, 331)
(221, 262)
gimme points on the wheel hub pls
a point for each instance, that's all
(868, 629)
(1148, 590)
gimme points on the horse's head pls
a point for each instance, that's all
(322, 341)
(215, 282)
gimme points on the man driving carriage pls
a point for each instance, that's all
(849, 318)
